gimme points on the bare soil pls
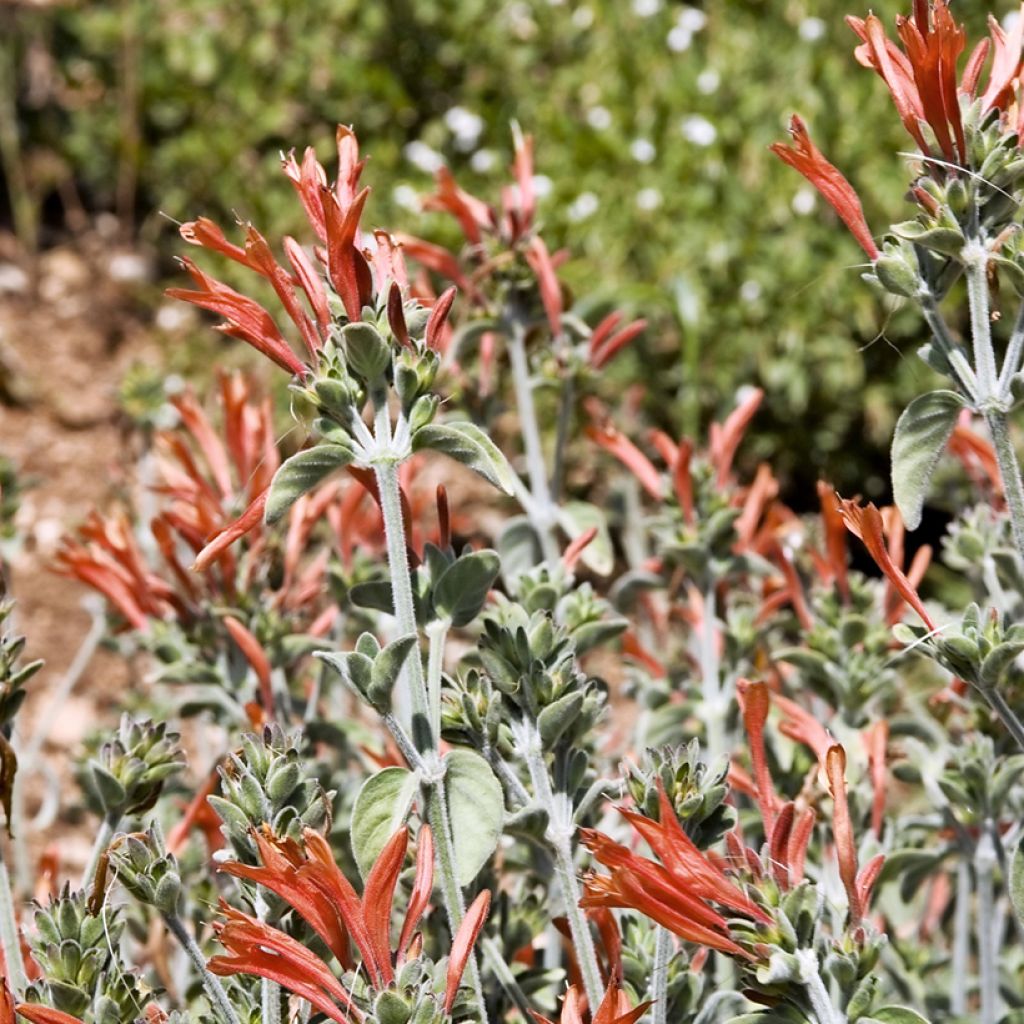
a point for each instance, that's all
(66, 340)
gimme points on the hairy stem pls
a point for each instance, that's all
(1009, 469)
(988, 950)
(714, 709)
(824, 1010)
(961, 939)
(950, 348)
(437, 634)
(107, 829)
(543, 511)
(659, 975)
(10, 944)
(559, 837)
(1007, 715)
(451, 892)
(976, 270)
(412, 690)
(212, 984)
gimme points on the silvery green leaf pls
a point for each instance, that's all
(922, 433)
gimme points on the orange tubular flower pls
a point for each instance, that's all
(678, 893)
(616, 443)
(805, 157)
(867, 524)
(333, 212)
(614, 1008)
(307, 878)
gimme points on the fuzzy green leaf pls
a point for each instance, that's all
(922, 434)
(380, 810)
(300, 474)
(467, 443)
(476, 809)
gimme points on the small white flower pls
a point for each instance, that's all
(542, 186)
(691, 19)
(750, 291)
(812, 29)
(642, 151)
(679, 39)
(173, 316)
(804, 201)
(698, 130)
(483, 160)
(646, 8)
(465, 126)
(599, 118)
(583, 17)
(585, 205)
(648, 199)
(406, 197)
(708, 81)
(422, 156)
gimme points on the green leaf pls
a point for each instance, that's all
(576, 517)
(462, 588)
(895, 1015)
(380, 810)
(386, 668)
(301, 473)
(559, 716)
(467, 443)
(922, 434)
(476, 810)
(518, 548)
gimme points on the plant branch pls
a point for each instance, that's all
(543, 511)
(988, 951)
(1009, 469)
(559, 836)
(212, 984)
(10, 940)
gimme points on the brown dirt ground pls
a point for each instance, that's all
(64, 347)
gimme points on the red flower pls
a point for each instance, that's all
(614, 1008)
(609, 338)
(806, 158)
(866, 523)
(679, 893)
(307, 878)
(333, 212)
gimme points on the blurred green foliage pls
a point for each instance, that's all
(652, 121)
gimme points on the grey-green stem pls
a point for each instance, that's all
(1007, 715)
(10, 943)
(961, 939)
(824, 1010)
(212, 984)
(422, 752)
(559, 837)
(988, 950)
(543, 510)
(1009, 469)
(659, 975)
(108, 827)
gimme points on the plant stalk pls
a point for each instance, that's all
(10, 941)
(412, 690)
(543, 506)
(1009, 469)
(108, 827)
(214, 989)
(659, 975)
(559, 837)
(961, 939)
(1007, 715)
(988, 951)
(824, 1010)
